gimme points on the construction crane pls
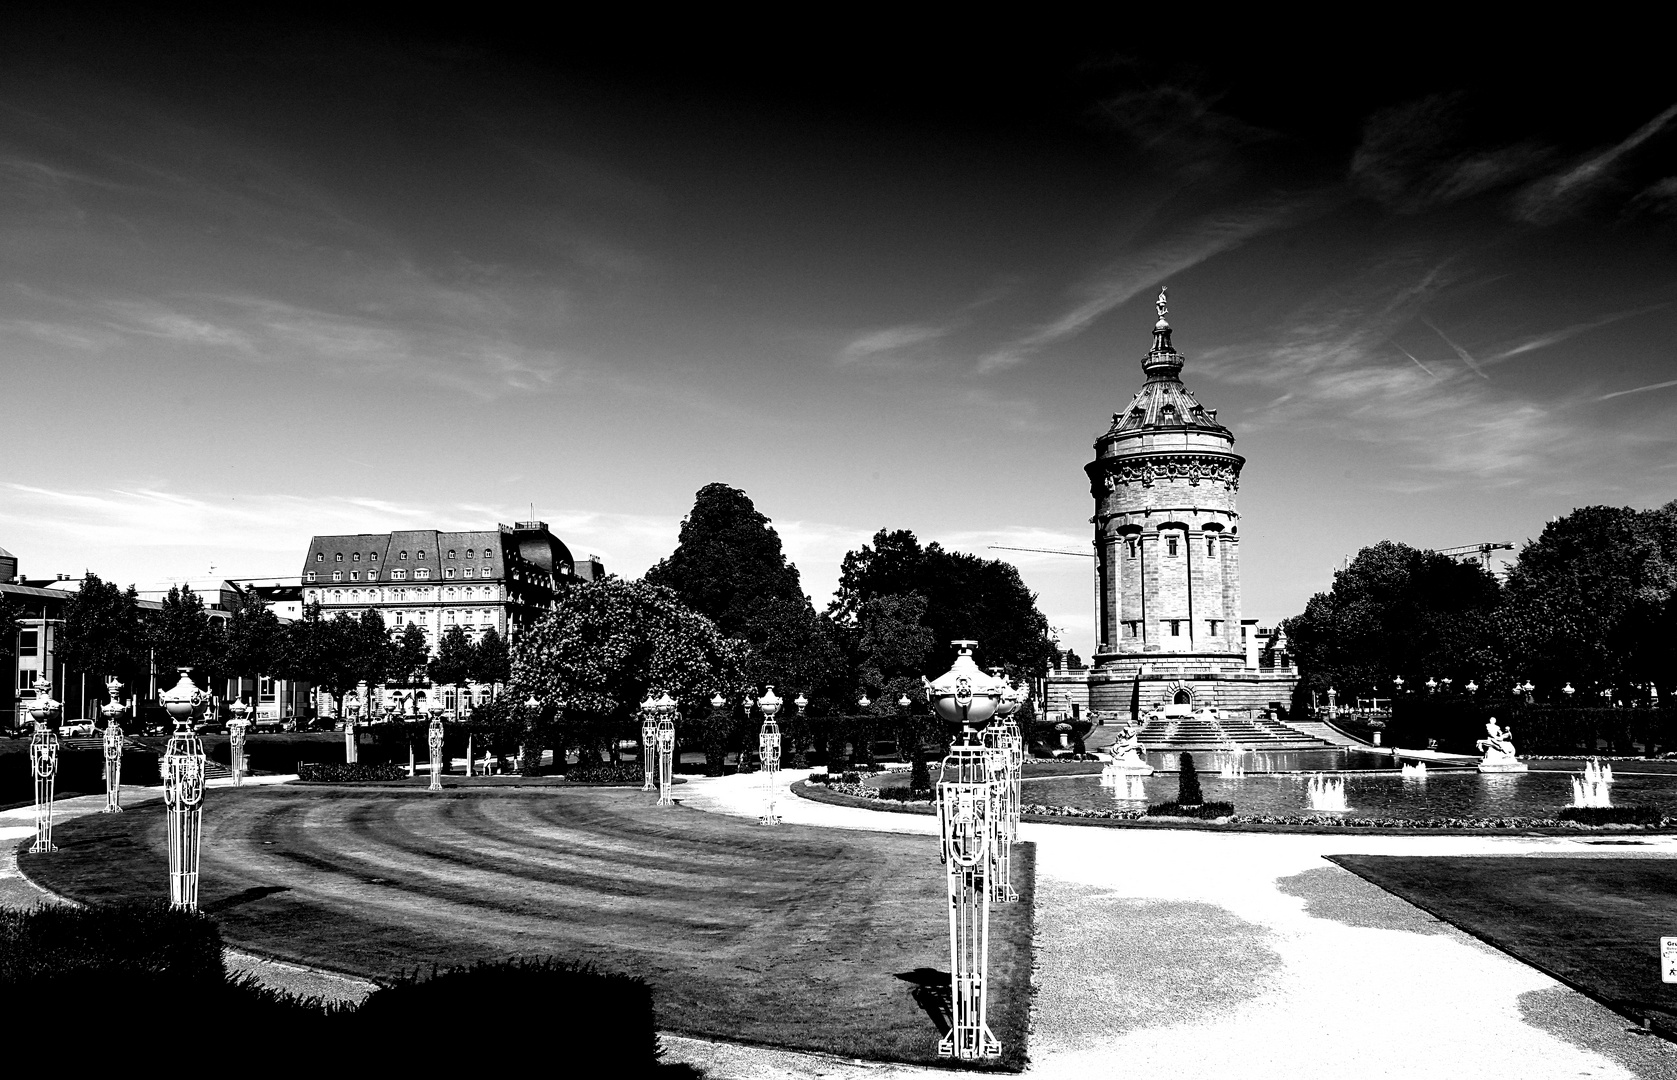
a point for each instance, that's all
(1044, 551)
(1481, 552)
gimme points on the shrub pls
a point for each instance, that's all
(621, 773)
(919, 775)
(88, 944)
(1188, 784)
(350, 773)
(904, 794)
(1612, 815)
(1206, 811)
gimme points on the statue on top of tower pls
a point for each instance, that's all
(1160, 304)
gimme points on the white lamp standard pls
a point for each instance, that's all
(236, 731)
(1432, 684)
(1002, 737)
(1446, 682)
(532, 743)
(434, 740)
(768, 746)
(1528, 688)
(1569, 690)
(1397, 682)
(666, 749)
(1471, 687)
(649, 739)
(183, 791)
(43, 760)
(966, 698)
(112, 712)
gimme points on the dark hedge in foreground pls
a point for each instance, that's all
(1613, 815)
(138, 939)
(352, 773)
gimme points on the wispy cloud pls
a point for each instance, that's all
(1144, 270)
(1467, 357)
(1638, 390)
(1418, 364)
(1417, 155)
(1555, 337)
(888, 345)
(1557, 195)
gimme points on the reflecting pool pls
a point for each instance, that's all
(1386, 794)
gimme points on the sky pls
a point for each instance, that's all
(265, 280)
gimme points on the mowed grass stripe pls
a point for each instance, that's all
(787, 936)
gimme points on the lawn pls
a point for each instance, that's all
(1593, 923)
(799, 937)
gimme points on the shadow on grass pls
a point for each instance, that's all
(932, 993)
(247, 896)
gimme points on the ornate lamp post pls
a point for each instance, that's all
(434, 739)
(237, 728)
(768, 748)
(666, 749)
(1332, 698)
(649, 739)
(183, 791)
(532, 743)
(1569, 690)
(1528, 688)
(1432, 684)
(1471, 687)
(43, 760)
(112, 712)
(1002, 737)
(966, 698)
(1397, 682)
(1446, 683)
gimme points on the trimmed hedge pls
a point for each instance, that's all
(153, 953)
(623, 773)
(1206, 811)
(1613, 815)
(357, 773)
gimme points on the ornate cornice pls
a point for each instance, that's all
(1110, 474)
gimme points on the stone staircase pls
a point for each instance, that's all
(1199, 733)
(213, 769)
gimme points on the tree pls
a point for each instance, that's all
(102, 633)
(729, 566)
(182, 634)
(255, 638)
(371, 653)
(337, 653)
(966, 597)
(1593, 600)
(1396, 610)
(606, 645)
(11, 619)
(410, 654)
(490, 661)
(452, 664)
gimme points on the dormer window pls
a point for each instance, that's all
(403, 556)
(311, 575)
(355, 575)
(469, 554)
(484, 572)
(320, 556)
(339, 557)
(468, 571)
(356, 557)
(399, 575)
(337, 575)
(372, 556)
(421, 554)
(451, 553)
(423, 573)
(372, 575)
(448, 572)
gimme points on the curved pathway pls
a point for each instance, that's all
(1162, 953)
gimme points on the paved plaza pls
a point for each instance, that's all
(1230, 955)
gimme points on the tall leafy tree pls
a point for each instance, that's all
(729, 566)
(255, 638)
(11, 616)
(453, 662)
(893, 643)
(1397, 610)
(490, 661)
(371, 651)
(410, 654)
(182, 634)
(608, 644)
(103, 634)
(337, 653)
(966, 597)
(1593, 600)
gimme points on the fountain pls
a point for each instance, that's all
(1416, 770)
(1590, 789)
(1230, 765)
(1126, 758)
(1125, 786)
(1326, 793)
(1498, 747)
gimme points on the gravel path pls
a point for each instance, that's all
(1162, 953)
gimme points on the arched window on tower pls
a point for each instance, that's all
(1170, 545)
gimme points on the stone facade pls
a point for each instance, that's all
(1167, 542)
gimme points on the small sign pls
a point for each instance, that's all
(1668, 959)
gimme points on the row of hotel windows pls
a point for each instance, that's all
(1171, 546)
(402, 594)
(372, 556)
(422, 618)
(422, 573)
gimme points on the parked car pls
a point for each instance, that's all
(76, 729)
(267, 724)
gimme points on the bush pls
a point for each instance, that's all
(353, 773)
(1613, 815)
(623, 773)
(919, 775)
(1188, 785)
(88, 944)
(904, 794)
(1206, 811)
